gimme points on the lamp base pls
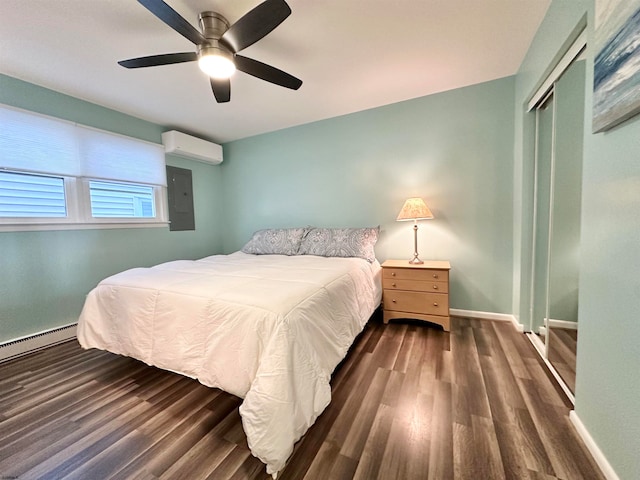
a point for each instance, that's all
(415, 260)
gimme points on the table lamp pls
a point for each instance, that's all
(415, 209)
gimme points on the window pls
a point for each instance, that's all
(120, 200)
(57, 172)
(24, 195)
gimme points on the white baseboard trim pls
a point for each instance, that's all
(501, 317)
(563, 324)
(30, 343)
(597, 454)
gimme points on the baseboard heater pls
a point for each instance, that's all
(31, 343)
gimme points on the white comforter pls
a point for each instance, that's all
(270, 329)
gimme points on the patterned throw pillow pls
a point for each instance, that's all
(275, 241)
(341, 242)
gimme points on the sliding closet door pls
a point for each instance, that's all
(543, 186)
(567, 193)
(564, 251)
(557, 211)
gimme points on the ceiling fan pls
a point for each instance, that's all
(218, 44)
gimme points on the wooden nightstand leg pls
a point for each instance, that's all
(446, 324)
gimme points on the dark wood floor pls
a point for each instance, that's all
(563, 345)
(409, 402)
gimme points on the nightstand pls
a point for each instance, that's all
(416, 291)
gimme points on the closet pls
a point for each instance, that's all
(559, 131)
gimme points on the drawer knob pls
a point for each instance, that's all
(435, 304)
(435, 287)
(393, 300)
(393, 274)
(393, 284)
(435, 275)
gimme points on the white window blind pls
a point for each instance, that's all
(115, 157)
(37, 143)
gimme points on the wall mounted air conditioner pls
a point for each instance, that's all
(178, 143)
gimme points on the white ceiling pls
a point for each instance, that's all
(351, 55)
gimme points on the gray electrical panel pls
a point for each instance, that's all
(180, 193)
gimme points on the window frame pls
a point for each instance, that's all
(159, 198)
(76, 185)
(78, 206)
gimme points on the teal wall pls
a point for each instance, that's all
(45, 275)
(454, 149)
(607, 384)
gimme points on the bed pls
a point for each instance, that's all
(269, 328)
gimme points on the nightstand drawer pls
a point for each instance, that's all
(416, 302)
(415, 285)
(424, 274)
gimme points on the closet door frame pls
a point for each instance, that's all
(541, 95)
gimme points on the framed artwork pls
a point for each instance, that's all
(616, 76)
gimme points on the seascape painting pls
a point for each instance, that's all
(616, 77)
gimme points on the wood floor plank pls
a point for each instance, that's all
(515, 351)
(441, 448)
(487, 459)
(468, 373)
(323, 461)
(373, 451)
(410, 401)
(407, 452)
(531, 446)
(502, 392)
(179, 438)
(430, 343)
(343, 468)
(406, 352)
(231, 464)
(563, 345)
(201, 460)
(354, 442)
(108, 461)
(464, 466)
(511, 451)
(91, 441)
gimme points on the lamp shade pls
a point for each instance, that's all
(414, 209)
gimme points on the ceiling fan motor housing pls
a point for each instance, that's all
(213, 25)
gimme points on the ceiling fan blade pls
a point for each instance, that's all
(155, 60)
(221, 89)
(255, 24)
(266, 72)
(172, 18)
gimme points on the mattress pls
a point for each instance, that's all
(268, 328)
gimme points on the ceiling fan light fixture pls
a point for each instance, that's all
(218, 44)
(216, 62)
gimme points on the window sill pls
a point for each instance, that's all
(79, 226)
